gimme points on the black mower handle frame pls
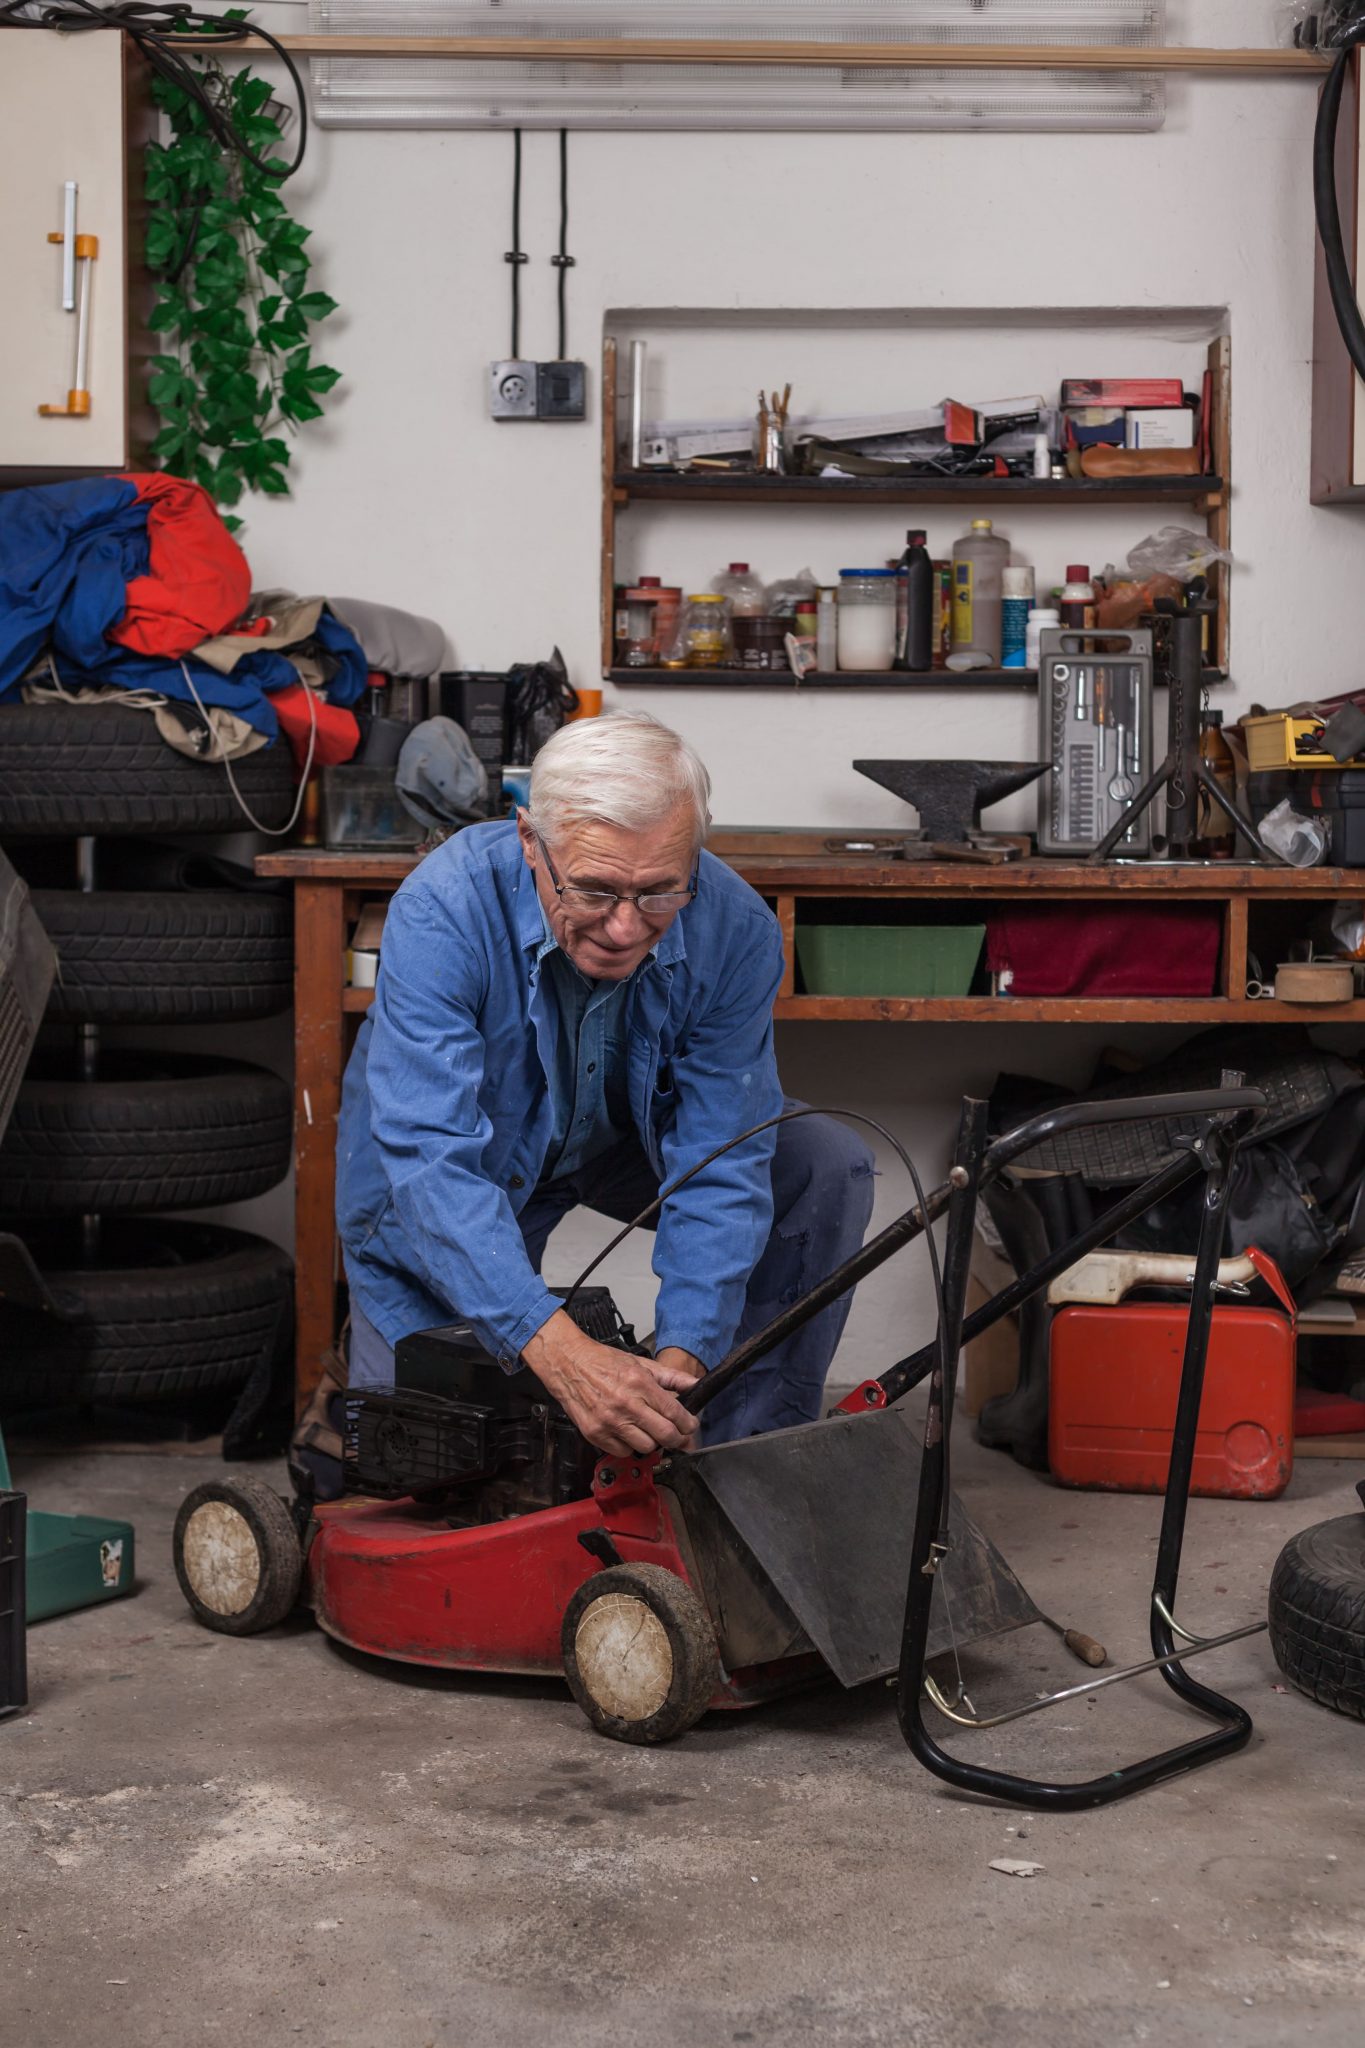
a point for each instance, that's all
(1225, 1116)
(1214, 1154)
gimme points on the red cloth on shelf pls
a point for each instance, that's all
(1129, 949)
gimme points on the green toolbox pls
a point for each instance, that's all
(72, 1560)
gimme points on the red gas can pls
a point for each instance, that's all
(1115, 1375)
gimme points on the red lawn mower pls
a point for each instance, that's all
(480, 1531)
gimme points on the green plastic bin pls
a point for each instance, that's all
(888, 960)
(73, 1560)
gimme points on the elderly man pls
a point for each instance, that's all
(577, 1008)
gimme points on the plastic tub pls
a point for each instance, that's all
(361, 810)
(888, 960)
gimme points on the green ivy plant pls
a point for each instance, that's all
(234, 308)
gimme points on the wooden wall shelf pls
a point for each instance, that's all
(697, 488)
(1210, 496)
(1271, 63)
(821, 679)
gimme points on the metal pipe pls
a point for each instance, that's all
(69, 247)
(1088, 1685)
(1080, 1116)
(637, 403)
(85, 272)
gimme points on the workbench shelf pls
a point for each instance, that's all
(674, 487)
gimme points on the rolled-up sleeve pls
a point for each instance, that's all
(425, 1067)
(712, 1231)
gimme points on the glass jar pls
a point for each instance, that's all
(704, 632)
(867, 620)
(641, 628)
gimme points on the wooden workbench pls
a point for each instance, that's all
(787, 867)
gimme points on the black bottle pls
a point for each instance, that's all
(916, 642)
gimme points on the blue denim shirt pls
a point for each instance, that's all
(588, 1092)
(446, 1117)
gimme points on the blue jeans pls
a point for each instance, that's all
(822, 1176)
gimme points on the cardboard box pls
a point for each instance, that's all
(1159, 427)
(1144, 391)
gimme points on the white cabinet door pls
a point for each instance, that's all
(61, 118)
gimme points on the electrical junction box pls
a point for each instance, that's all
(561, 391)
(537, 391)
(512, 390)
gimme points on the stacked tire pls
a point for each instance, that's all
(141, 1309)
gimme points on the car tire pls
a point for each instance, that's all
(208, 956)
(170, 1311)
(105, 769)
(154, 1131)
(1317, 1613)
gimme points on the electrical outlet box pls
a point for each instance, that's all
(561, 391)
(512, 390)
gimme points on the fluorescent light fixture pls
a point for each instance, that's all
(403, 92)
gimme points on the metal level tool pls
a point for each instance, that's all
(79, 255)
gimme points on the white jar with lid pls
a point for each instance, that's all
(867, 620)
(1039, 622)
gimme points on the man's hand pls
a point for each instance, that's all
(621, 1404)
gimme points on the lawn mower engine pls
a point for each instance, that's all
(461, 1433)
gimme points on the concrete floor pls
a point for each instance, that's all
(274, 1839)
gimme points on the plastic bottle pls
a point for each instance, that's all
(1042, 459)
(917, 614)
(1014, 617)
(979, 560)
(1078, 599)
(827, 629)
(747, 593)
(1039, 622)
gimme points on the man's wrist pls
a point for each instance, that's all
(677, 1359)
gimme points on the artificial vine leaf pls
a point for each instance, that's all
(237, 363)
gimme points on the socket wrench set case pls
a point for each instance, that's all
(1095, 728)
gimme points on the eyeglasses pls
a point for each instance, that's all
(599, 902)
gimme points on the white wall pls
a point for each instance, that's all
(407, 493)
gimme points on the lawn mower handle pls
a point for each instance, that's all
(1220, 1105)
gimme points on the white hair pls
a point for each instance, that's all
(625, 769)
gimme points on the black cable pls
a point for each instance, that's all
(790, 1116)
(563, 262)
(1339, 281)
(155, 26)
(515, 255)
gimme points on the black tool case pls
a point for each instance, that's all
(1335, 795)
(13, 1658)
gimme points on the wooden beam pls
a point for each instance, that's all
(1272, 63)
